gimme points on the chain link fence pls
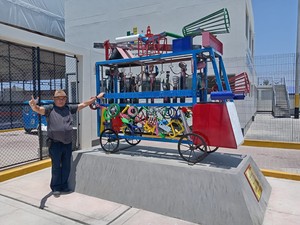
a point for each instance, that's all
(24, 72)
(275, 72)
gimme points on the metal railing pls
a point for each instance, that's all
(24, 72)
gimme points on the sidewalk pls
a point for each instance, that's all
(278, 159)
(267, 127)
(22, 198)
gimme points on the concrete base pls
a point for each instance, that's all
(215, 191)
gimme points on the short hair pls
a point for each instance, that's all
(60, 93)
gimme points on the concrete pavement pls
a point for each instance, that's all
(22, 198)
(27, 199)
(277, 159)
(267, 127)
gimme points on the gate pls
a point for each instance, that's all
(27, 71)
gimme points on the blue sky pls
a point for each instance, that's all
(275, 26)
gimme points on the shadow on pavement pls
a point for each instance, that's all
(215, 159)
(44, 200)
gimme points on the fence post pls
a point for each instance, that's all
(296, 116)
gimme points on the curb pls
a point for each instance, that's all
(25, 169)
(10, 130)
(272, 144)
(279, 174)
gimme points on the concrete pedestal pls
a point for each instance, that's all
(222, 189)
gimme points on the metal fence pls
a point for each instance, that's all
(274, 70)
(24, 72)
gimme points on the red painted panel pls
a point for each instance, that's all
(209, 40)
(211, 121)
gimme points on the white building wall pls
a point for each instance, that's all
(93, 21)
(89, 22)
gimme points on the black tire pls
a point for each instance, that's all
(109, 140)
(211, 149)
(191, 147)
(137, 133)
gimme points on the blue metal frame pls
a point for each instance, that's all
(210, 55)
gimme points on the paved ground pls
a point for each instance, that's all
(285, 160)
(266, 127)
(18, 146)
(22, 198)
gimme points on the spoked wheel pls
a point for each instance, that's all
(191, 147)
(136, 132)
(210, 149)
(109, 140)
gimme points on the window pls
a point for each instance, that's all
(247, 25)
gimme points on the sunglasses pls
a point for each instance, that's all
(60, 98)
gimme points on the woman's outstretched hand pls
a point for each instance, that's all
(33, 101)
(101, 95)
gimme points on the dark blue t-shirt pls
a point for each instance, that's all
(60, 122)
